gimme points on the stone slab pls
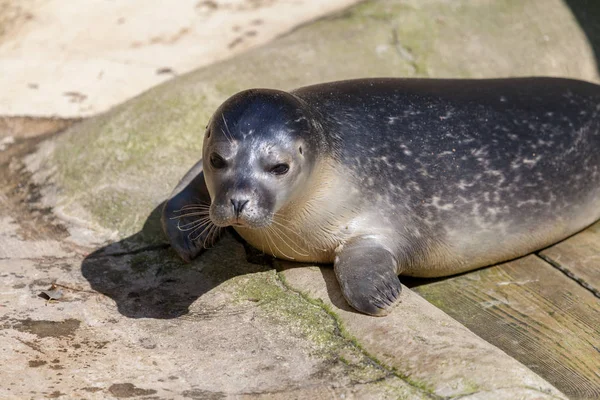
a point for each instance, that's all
(425, 345)
(133, 46)
(145, 325)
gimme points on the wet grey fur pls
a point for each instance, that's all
(465, 156)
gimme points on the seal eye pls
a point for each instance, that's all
(217, 162)
(280, 169)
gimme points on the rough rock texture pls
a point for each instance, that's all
(132, 320)
(414, 335)
(53, 64)
(145, 324)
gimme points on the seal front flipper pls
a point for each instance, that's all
(185, 216)
(367, 274)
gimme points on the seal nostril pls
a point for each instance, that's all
(238, 206)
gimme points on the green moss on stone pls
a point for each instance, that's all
(307, 319)
(370, 364)
(470, 387)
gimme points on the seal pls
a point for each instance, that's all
(388, 177)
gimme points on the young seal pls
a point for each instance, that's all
(396, 176)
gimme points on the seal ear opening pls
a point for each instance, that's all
(300, 149)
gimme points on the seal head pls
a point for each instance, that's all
(260, 149)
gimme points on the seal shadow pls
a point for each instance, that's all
(587, 13)
(146, 279)
(333, 289)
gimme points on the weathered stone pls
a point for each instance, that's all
(144, 323)
(424, 345)
(132, 48)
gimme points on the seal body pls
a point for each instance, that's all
(398, 176)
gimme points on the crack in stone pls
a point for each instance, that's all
(534, 389)
(37, 258)
(316, 385)
(30, 345)
(74, 289)
(570, 274)
(405, 54)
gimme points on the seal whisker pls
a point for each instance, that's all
(199, 217)
(192, 225)
(196, 228)
(270, 229)
(280, 225)
(201, 204)
(210, 229)
(279, 216)
(297, 233)
(215, 235)
(270, 240)
(193, 207)
(278, 231)
(192, 214)
(210, 237)
(266, 236)
(183, 224)
(206, 228)
(227, 129)
(262, 245)
(202, 219)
